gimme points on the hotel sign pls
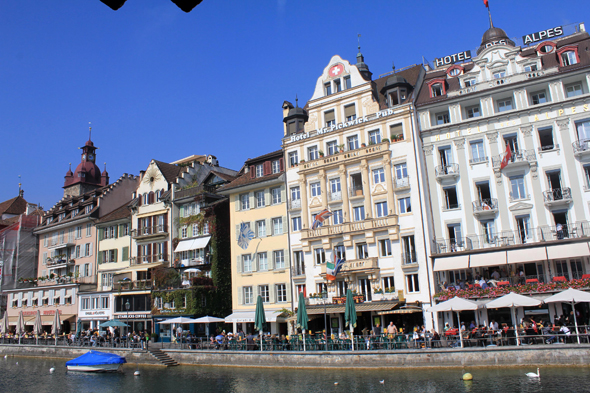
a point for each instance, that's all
(542, 35)
(454, 58)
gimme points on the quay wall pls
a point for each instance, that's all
(542, 355)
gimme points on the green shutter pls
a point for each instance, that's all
(100, 234)
(116, 231)
(181, 211)
(100, 257)
(116, 255)
(125, 254)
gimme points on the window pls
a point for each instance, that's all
(295, 193)
(329, 118)
(530, 67)
(259, 198)
(405, 206)
(388, 283)
(299, 263)
(538, 97)
(88, 209)
(276, 166)
(517, 188)
(296, 224)
(335, 185)
(339, 252)
(262, 261)
(312, 153)
(488, 231)
(347, 82)
(374, 137)
(454, 72)
(583, 129)
(77, 252)
(574, 90)
(546, 138)
(499, 74)
(75, 212)
(381, 209)
(412, 283)
(124, 229)
(86, 303)
(378, 176)
(473, 111)
(470, 82)
(319, 256)
(261, 228)
(281, 293)
(328, 88)
(569, 58)
(359, 213)
(279, 259)
(477, 152)
(452, 202)
(195, 229)
(442, 118)
(352, 142)
(277, 225)
(276, 195)
(248, 295)
(401, 175)
(332, 147)
(316, 189)
(337, 85)
(246, 263)
(184, 232)
(385, 248)
(349, 112)
(362, 251)
(505, 105)
(397, 132)
(78, 233)
(88, 230)
(356, 183)
(244, 202)
(293, 158)
(408, 250)
(87, 249)
(337, 217)
(436, 90)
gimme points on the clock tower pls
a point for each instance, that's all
(87, 175)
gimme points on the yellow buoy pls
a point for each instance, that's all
(467, 377)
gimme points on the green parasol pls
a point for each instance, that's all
(302, 318)
(350, 315)
(260, 318)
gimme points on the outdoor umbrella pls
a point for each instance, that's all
(79, 328)
(573, 296)
(176, 320)
(260, 318)
(302, 318)
(113, 323)
(56, 325)
(4, 324)
(38, 327)
(513, 300)
(350, 315)
(455, 304)
(20, 326)
(207, 319)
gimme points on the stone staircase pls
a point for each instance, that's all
(162, 357)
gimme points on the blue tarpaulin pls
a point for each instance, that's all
(93, 358)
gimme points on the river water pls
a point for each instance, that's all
(32, 375)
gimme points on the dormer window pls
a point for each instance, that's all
(499, 74)
(470, 82)
(568, 56)
(396, 97)
(329, 118)
(75, 212)
(545, 47)
(88, 209)
(437, 88)
(49, 220)
(337, 85)
(328, 88)
(455, 70)
(349, 112)
(61, 216)
(259, 170)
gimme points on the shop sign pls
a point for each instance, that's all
(542, 35)
(454, 58)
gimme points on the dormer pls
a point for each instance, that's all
(437, 87)
(339, 76)
(396, 90)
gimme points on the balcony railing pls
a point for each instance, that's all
(128, 285)
(518, 156)
(149, 259)
(335, 196)
(298, 270)
(355, 191)
(59, 243)
(581, 147)
(160, 229)
(557, 196)
(478, 160)
(349, 227)
(400, 183)
(485, 206)
(409, 258)
(349, 155)
(192, 262)
(446, 171)
(511, 238)
(295, 204)
(356, 265)
(56, 262)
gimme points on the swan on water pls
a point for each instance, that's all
(533, 375)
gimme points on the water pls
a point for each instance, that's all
(32, 375)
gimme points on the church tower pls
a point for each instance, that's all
(87, 175)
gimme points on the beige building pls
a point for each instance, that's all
(260, 266)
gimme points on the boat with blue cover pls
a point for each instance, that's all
(94, 361)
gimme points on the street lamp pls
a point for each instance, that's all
(325, 298)
(127, 307)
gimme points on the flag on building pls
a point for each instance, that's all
(507, 158)
(320, 217)
(245, 235)
(332, 269)
(485, 2)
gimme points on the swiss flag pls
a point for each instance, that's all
(485, 2)
(507, 157)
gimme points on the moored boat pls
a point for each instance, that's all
(94, 361)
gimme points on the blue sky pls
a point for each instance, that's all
(159, 83)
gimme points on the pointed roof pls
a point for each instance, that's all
(170, 171)
(16, 205)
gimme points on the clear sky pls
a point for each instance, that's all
(159, 83)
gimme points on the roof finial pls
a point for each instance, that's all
(393, 66)
(105, 166)
(89, 131)
(19, 185)
(359, 40)
(296, 101)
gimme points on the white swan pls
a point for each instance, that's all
(533, 375)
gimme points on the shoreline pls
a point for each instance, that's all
(565, 355)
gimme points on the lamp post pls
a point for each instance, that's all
(325, 298)
(127, 307)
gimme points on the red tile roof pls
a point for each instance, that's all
(16, 205)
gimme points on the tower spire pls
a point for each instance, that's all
(89, 131)
(296, 101)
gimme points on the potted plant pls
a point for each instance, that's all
(321, 153)
(363, 144)
(341, 148)
(385, 140)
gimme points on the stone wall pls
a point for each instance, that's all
(67, 353)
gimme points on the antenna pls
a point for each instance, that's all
(296, 101)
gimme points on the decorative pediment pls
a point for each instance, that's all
(521, 206)
(379, 189)
(315, 202)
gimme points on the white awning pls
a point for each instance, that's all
(571, 250)
(248, 316)
(451, 263)
(192, 244)
(527, 255)
(488, 259)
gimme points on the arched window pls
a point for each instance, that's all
(568, 55)
(545, 47)
(455, 70)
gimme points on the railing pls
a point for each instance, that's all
(355, 191)
(447, 170)
(59, 243)
(54, 262)
(517, 197)
(485, 205)
(295, 204)
(558, 194)
(149, 259)
(545, 148)
(151, 230)
(581, 146)
(516, 156)
(478, 160)
(401, 182)
(346, 156)
(298, 270)
(329, 230)
(512, 238)
(409, 258)
(335, 196)
(128, 285)
(192, 262)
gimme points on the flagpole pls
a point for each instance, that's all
(490, 15)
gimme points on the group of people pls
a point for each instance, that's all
(493, 281)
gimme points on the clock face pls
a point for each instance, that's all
(83, 156)
(90, 157)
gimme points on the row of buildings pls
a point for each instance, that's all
(433, 175)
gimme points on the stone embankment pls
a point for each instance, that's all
(554, 355)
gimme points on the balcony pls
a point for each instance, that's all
(517, 159)
(192, 262)
(446, 172)
(59, 243)
(350, 227)
(150, 232)
(345, 157)
(485, 207)
(401, 183)
(59, 262)
(355, 191)
(335, 196)
(295, 204)
(128, 285)
(298, 271)
(557, 197)
(409, 258)
(356, 266)
(140, 260)
(581, 148)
